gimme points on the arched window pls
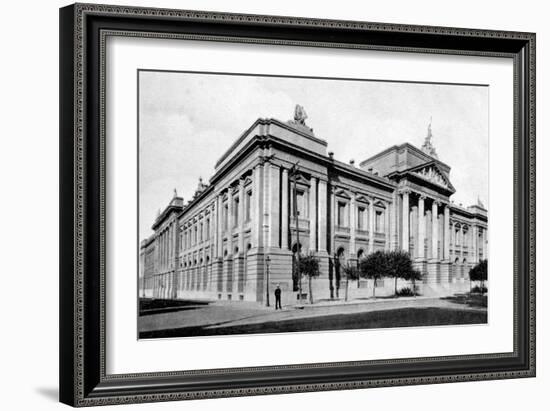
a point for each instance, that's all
(360, 254)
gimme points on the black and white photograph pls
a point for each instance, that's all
(276, 204)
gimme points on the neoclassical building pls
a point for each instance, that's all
(238, 234)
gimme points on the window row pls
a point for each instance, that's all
(362, 220)
(196, 234)
(235, 210)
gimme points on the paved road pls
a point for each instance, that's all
(220, 314)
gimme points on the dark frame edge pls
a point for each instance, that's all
(66, 203)
(529, 135)
(82, 387)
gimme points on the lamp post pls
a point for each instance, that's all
(267, 260)
(293, 172)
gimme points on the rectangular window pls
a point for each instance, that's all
(247, 203)
(224, 217)
(207, 228)
(235, 212)
(361, 213)
(379, 221)
(342, 214)
(201, 231)
(300, 204)
(195, 239)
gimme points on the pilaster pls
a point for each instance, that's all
(313, 215)
(405, 221)
(322, 216)
(284, 210)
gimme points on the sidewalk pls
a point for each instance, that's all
(220, 314)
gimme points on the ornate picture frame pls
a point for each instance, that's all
(84, 29)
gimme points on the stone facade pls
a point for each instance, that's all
(238, 234)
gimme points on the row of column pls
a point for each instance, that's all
(448, 235)
(466, 235)
(371, 216)
(165, 247)
(199, 231)
(405, 237)
(271, 220)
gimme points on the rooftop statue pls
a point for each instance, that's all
(299, 120)
(300, 114)
(428, 147)
(479, 203)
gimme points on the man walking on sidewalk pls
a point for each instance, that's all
(278, 298)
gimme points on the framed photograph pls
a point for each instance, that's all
(261, 204)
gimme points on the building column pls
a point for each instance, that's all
(219, 227)
(352, 224)
(468, 240)
(371, 225)
(322, 216)
(257, 210)
(332, 221)
(229, 222)
(461, 242)
(241, 216)
(446, 230)
(433, 264)
(435, 231)
(387, 231)
(284, 210)
(445, 269)
(413, 229)
(274, 205)
(452, 253)
(475, 246)
(484, 244)
(421, 228)
(405, 222)
(394, 226)
(266, 205)
(164, 250)
(313, 214)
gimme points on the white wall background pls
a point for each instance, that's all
(29, 204)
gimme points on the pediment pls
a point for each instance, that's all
(247, 181)
(234, 189)
(342, 193)
(433, 174)
(300, 179)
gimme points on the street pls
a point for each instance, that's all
(195, 318)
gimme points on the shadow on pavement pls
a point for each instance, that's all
(148, 306)
(471, 300)
(410, 317)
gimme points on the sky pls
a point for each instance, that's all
(188, 120)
